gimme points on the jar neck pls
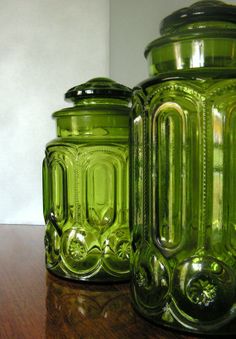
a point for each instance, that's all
(201, 45)
(90, 126)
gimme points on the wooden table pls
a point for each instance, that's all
(34, 304)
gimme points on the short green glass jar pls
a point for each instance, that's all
(183, 173)
(85, 185)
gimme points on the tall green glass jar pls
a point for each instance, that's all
(183, 173)
(85, 185)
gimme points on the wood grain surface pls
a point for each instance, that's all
(34, 304)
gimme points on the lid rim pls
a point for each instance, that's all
(98, 88)
(102, 93)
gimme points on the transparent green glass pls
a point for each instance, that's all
(183, 174)
(85, 185)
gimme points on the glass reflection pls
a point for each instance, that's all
(86, 310)
(178, 56)
(197, 56)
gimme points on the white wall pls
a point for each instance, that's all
(47, 46)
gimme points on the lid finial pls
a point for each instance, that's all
(98, 87)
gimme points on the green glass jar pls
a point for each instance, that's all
(183, 173)
(85, 185)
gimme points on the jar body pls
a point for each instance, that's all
(86, 199)
(183, 202)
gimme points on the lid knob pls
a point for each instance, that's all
(204, 10)
(98, 88)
